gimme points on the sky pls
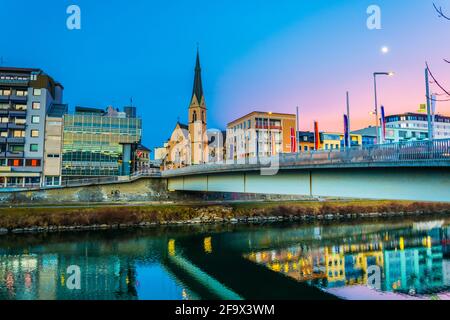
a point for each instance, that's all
(270, 55)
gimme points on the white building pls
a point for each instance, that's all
(414, 126)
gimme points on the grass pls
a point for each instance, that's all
(11, 218)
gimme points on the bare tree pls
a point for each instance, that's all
(440, 12)
(446, 92)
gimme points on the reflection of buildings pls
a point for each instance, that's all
(413, 268)
(45, 276)
(414, 261)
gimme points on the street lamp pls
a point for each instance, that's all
(375, 74)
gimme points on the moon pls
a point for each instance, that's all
(384, 49)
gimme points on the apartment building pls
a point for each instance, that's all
(26, 97)
(260, 134)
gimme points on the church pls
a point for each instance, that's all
(192, 143)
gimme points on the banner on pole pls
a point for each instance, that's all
(316, 136)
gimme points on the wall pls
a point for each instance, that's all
(151, 189)
(421, 184)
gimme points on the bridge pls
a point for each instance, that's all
(417, 170)
(401, 171)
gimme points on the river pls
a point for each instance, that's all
(391, 259)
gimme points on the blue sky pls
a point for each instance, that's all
(265, 55)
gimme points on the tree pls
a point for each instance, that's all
(441, 14)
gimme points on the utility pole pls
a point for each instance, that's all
(297, 129)
(349, 141)
(427, 90)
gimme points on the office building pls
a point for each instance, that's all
(99, 143)
(260, 134)
(29, 100)
(414, 127)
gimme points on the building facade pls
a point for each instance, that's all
(260, 134)
(142, 159)
(328, 141)
(368, 135)
(414, 127)
(26, 98)
(99, 143)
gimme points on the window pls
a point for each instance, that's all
(18, 134)
(53, 155)
(5, 92)
(34, 147)
(15, 162)
(20, 107)
(36, 106)
(20, 121)
(37, 92)
(34, 133)
(21, 93)
(15, 148)
(32, 162)
(35, 119)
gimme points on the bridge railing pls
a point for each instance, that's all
(393, 153)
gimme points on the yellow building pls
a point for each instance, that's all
(260, 134)
(332, 141)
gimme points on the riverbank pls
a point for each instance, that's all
(67, 218)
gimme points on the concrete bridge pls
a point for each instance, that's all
(404, 171)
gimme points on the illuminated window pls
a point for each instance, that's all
(34, 147)
(37, 92)
(34, 133)
(35, 119)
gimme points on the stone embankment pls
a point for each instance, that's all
(57, 219)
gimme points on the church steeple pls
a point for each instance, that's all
(197, 91)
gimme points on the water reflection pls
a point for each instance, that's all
(411, 261)
(371, 260)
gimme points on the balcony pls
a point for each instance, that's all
(17, 154)
(17, 98)
(16, 140)
(17, 113)
(17, 126)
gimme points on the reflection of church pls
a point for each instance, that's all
(192, 144)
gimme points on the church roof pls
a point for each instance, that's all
(198, 87)
(183, 126)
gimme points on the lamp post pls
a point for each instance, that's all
(375, 74)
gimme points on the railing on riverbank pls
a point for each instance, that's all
(89, 181)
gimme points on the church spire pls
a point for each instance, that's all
(198, 88)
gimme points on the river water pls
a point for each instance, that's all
(391, 259)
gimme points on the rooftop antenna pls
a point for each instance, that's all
(131, 101)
